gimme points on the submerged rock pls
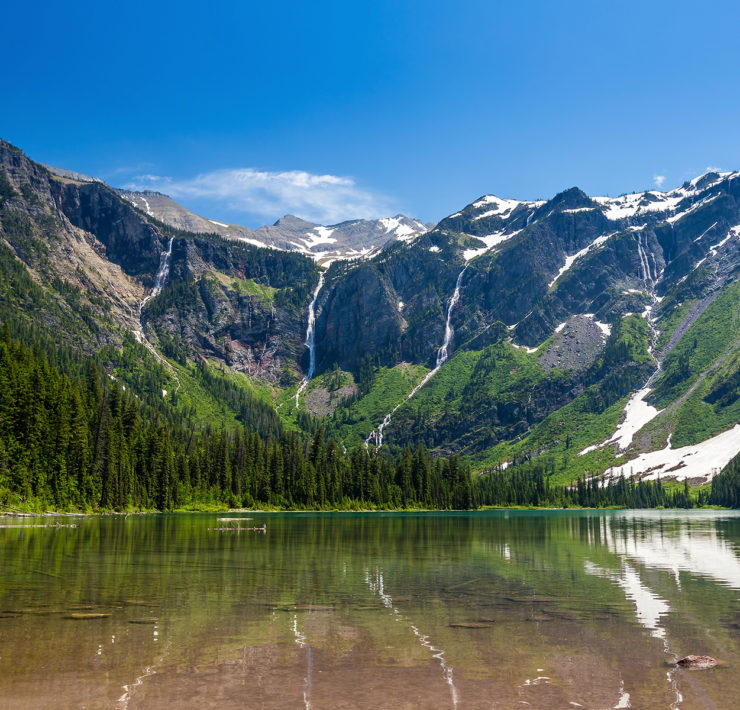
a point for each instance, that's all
(697, 662)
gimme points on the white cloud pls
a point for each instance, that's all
(658, 180)
(319, 198)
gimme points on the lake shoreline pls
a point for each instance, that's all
(15, 513)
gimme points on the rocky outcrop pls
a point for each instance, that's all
(697, 662)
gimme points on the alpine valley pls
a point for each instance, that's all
(514, 353)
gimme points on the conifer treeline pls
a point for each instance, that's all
(528, 484)
(82, 441)
(726, 485)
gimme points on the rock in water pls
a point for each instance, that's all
(697, 662)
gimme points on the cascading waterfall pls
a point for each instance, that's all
(443, 354)
(649, 279)
(310, 335)
(160, 279)
(647, 276)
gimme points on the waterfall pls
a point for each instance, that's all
(649, 279)
(160, 279)
(310, 335)
(647, 275)
(443, 355)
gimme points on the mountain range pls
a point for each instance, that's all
(596, 335)
(324, 243)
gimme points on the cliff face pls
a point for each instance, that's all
(235, 303)
(546, 262)
(222, 299)
(55, 274)
(129, 239)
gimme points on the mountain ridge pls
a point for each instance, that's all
(565, 322)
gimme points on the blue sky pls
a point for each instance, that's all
(247, 110)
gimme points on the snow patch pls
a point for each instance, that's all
(321, 235)
(703, 460)
(734, 232)
(708, 229)
(693, 208)
(401, 304)
(634, 204)
(403, 232)
(255, 242)
(570, 260)
(605, 328)
(524, 347)
(499, 206)
(490, 240)
(217, 223)
(434, 249)
(637, 413)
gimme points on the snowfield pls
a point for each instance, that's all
(699, 461)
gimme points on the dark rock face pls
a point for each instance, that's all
(393, 306)
(129, 239)
(72, 295)
(236, 303)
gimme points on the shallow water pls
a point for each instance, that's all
(556, 609)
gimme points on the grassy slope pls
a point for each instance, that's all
(712, 334)
(353, 422)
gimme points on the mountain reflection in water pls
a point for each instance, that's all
(551, 608)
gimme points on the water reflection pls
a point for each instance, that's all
(377, 585)
(300, 639)
(648, 606)
(554, 609)
(680, 542)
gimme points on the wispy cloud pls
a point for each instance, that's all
(658, 180)
(319, 198)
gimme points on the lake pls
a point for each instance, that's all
(497, 609)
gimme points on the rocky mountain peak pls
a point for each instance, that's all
(290, 221)
(572, 198)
